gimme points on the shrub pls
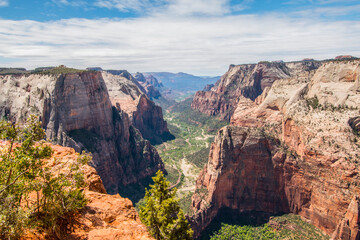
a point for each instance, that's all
(24, 172)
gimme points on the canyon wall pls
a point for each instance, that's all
(295, 148)
(126, 95)
(76, 111)
(249, 81)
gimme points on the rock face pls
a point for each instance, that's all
(249, 81)
(150, 84)
(76, 111)
(293, 149)
(144, 114)
(105, 216)
(241, 175)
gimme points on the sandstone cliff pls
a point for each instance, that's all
(126, 95)
(150, 84)
(76, 111)
(105, 217)
(294, 149)
(249, 81)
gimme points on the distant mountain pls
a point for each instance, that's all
(182, 83)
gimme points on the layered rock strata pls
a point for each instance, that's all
(76, 111)
(150, 84)
(126, 95)
(249, 81)
(293, 149)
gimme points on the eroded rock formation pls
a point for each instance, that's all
(293, 149)
(126, 95)
(104, 216)
(249, 81)
(150, 84)
(76, 111)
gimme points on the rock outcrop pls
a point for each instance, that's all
(249, 81)
(76, 111)
(150, 84)
(104, 216)
(293, 149)
(144, 114)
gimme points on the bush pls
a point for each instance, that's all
(56, 196)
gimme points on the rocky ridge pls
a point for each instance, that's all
(126, 95)
(76, 111)
(249, 81)
(294, 148)
(150, 84)
(105, 216)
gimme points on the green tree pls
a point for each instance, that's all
(229, 232)
(161, 212)
(24, 172)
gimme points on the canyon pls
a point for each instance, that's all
(292, 145)
(77, 111)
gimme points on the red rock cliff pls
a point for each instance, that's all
(76, 111)
(249, 81)
(125, 93)
(292, 151)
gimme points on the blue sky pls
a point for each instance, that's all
(197, 36)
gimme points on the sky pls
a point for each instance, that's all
(201, 37)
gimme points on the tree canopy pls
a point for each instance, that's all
(31, 194)
(161, 212)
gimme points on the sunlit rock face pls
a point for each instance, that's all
(295, 148)
(249, 81)
(76, 111)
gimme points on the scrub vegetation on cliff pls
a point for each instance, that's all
(33, 194)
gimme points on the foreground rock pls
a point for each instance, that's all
(76, 111)
(105, 217)
(293, 149)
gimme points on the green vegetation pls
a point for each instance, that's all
(244, 233)
(32, 194)
(57, 70)
(287, 226)
(313, 102)
(189, 151)
(291, 226)
(161, 212)
(8, 71)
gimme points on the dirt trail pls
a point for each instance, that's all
(204, 138)
(178, 180)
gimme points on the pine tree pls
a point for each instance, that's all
(161, 212)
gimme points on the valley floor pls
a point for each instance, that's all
(186, 155)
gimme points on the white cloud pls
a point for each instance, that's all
(175, 7)
(74, 3)
(330, 11)
(4, 3)
(198, 7)
(195, 44)
(124, 5)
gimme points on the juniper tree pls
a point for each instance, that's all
(24, 173)
(161, 212)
